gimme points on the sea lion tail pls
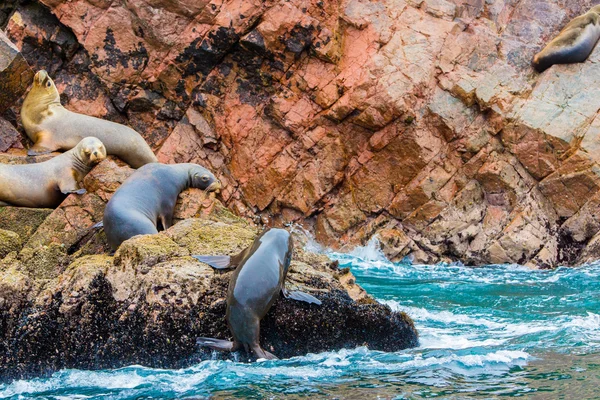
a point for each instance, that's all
(217, 262)
(98, 225)
(301, 296)
(215, 344)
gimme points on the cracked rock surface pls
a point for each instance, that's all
(419, 121)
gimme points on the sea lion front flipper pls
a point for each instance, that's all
(300, 296)
(77, 191)
(3, 204)
(215, 344)
(217, 262)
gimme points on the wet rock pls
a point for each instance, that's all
(148, 303)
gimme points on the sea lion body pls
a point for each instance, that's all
(145, 202)
(52, 127)
(46, 184)
(573, 44)
(253, 288)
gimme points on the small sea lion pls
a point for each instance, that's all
(46, 184)
(52, 127)
(145, 202)
(573, 44)
(259, 277)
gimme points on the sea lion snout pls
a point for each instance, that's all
(40, 77)
(92, 150)
(214, 187)
(201, 178)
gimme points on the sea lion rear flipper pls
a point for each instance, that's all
(3, 204)
(262, 353)
(217, 262)
(300, 296)
(42, 145)
(215, 344)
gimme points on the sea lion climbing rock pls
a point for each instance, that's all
(46, 184)
(52, 127)
(144, 204)
(573, 44)
(259, 277)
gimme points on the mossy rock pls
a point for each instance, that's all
(9, 242)
(23, 221)
(44, 262)
(212, 238)
(144, 251)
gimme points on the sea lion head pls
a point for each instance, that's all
(43, 86)
(201, 178)
(91, 150)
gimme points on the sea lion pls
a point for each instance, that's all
(573, 44)
(52, 127)
(259, 277)
(46, 184)
(145, 202)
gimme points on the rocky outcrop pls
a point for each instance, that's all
(66, 303)
(418, 121)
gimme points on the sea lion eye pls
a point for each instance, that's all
(48, 84)
(205, 178)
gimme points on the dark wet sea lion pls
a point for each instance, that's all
(259, 277)
(145, 202)
(53, 127)
(46, 184)
(573, 44)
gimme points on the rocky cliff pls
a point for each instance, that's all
(421, 121)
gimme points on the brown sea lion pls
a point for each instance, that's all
(46, 184)
(145, 202)
(53, 127)
(573, 44)
(259, 277)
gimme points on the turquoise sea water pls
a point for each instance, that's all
(496, 331)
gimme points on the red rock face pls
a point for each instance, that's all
(418, 120)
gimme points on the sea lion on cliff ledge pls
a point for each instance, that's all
(52, 127)
(145, 202)
(259, 277)
(573, 44)
(46, 184)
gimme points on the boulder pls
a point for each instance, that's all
(15, 74)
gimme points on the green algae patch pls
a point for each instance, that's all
(144, 251)
(222, 214)
(9, 242)
(212, 238)
(44, 262)
(23, 221)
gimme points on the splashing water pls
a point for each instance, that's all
(484, 332)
